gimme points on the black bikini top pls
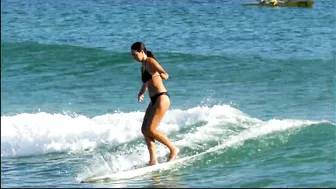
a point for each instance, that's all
(145, 75)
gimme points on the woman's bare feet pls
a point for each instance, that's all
(173, 154)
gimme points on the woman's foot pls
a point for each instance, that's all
(173, 154)
(152, 162)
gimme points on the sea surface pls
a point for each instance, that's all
(252, 93)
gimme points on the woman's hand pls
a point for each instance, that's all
(140, 97)
(164, 76)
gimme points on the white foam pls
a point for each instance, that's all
(39, 133)
(30, 134)
(265, 128)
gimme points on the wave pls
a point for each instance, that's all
(47, 61)
(40, 133)
(220, 129)
(65, 52)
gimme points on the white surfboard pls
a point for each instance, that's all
(135, 172)
(141, 171)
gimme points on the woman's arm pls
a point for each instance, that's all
(143, 89)
(142, 92)
(157, 67)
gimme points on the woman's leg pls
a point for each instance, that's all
(149, 140)
(160, 107)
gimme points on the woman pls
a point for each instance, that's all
(152, 74)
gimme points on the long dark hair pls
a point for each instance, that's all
(139, 46)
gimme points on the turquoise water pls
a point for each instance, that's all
(254, 83)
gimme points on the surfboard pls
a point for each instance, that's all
(143, 170)
(135, 172)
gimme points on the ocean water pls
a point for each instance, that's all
(252, 90)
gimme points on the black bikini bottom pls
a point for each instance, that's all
(155, 97)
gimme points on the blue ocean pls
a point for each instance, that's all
(252, 93)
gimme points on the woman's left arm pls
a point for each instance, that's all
(164, 75)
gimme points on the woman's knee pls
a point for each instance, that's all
(148, 132)
(143, 126)
(144, 131)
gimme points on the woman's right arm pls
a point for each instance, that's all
(142, 92)
(143, 88)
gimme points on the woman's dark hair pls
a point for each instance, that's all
(139, 46)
